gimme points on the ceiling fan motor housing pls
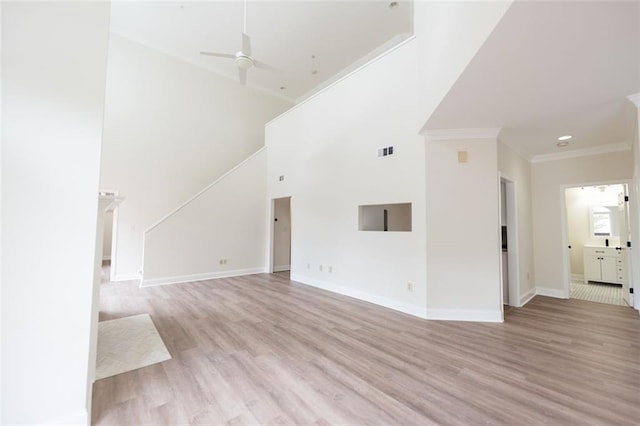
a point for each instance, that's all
(243, 61)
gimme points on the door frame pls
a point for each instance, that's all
(271, 234)
(566, 262)
(513, 253)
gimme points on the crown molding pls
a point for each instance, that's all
(635, 99)
(461, 134)
(585, 152)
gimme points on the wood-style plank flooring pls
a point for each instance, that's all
(265, 350)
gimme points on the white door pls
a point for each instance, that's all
(625, 242)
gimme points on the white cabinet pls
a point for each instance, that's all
(604, 264)
(608, 267)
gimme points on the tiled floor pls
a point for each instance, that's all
(597, 292)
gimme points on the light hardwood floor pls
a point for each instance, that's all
(263, 349)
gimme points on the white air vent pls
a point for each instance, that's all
(385, 152)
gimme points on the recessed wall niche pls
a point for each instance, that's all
(385, 217)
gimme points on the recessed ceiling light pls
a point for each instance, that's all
(565, 138)
(393, 5)
(562, 144)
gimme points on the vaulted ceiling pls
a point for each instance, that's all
(312, 43)
(548, 69)
(551, 69)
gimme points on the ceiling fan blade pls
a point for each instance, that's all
(264, 66)
(220, 55)
(243, 76)
(246, 44)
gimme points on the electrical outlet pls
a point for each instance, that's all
(308, 266)
(330, 269)
(409, 286)
(528, 278)
(321, 267)
(223, 261)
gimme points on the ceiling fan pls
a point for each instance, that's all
(243, 58)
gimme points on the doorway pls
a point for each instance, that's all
(281, 248)
(509, 265)
(598, 236)
(109, 237)
(107, 245)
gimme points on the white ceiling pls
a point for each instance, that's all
(341, 35)
(550, 69)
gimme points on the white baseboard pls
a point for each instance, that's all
(200, 277)
(126, 277)
(78, 418)
(281, 268)
(551, 292)
(464, 315)
(418, 311)
(526, 298)
(577, 277)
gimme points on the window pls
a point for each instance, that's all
(600, 222)
(385, 217)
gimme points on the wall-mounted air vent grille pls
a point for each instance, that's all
(385, 152)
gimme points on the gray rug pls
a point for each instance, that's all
(127, 344)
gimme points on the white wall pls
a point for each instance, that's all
(53, 78)
(224, 222)
(518, 169)
(171, 128)
(1, 240)
(326, 149)
(449, 34)
(463, 223)
(548, 178)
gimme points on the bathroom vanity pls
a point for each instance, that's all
(604, 264)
